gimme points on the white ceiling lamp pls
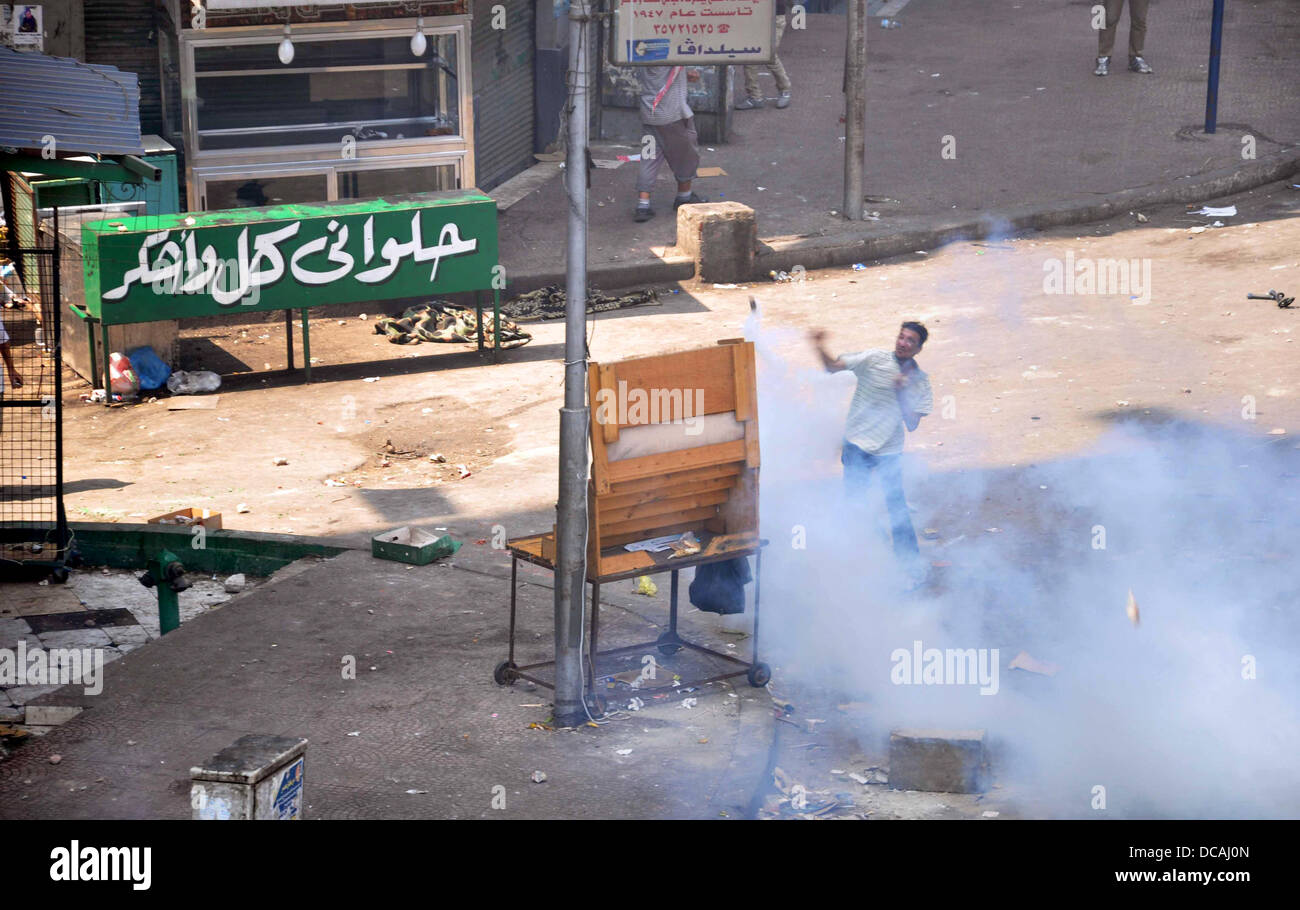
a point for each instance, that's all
(286, 47)
(419, 44)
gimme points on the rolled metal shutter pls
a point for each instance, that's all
(502, 61)
(122, 33)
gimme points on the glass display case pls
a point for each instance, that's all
(355, 113)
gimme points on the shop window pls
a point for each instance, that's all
(369, 88)
(396, 181)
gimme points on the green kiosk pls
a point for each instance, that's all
(290, 257)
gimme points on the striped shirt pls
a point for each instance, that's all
(4, 339)
(672, 104)
(875, 423)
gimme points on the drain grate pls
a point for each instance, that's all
(83, 619)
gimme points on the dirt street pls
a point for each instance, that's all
(1031, 376)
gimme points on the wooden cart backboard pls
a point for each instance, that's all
(674, 441)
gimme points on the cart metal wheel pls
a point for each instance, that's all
(667, 643)
(759, 675)
(505, 673)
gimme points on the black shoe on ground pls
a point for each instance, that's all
(644, 213)
(694, 198)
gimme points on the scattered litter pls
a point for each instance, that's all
(622, 751)
(859, 267)
(235, 583)
(710, 172)
(242, 507)
(1142, 219)
(994, 530)
(438, 457)
(415, 792)
(1132, 609)
(279, 462)
(635, 704)
(1277, 431)
(930, 534)
(355, 733)
(1121, 404)
(371, 379)
(1023, 661)
(725, 287)
(1226, 211)
(1276, 296)
(538, 777)
(989, 813)
(688, 702)
(647, 587)
(859, 779)
(55, 759)
(464, 471)
(890, 23)
(1199, 229)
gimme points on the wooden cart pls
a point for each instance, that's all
(674, 442)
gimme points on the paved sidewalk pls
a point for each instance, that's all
(1035, 133)
(422, 713)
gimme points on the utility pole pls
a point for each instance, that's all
(855, 109)
(571, 518)
(1212, 89)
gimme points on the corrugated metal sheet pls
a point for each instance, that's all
(502, 62)
(121, 33)
(85, 108)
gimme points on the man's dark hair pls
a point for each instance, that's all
(919, 329)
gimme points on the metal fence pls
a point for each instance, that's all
(33, 524)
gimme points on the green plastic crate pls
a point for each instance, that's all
(413, 546)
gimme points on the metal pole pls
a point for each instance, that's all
(1212, 90)
(855, 109)
(571, 524)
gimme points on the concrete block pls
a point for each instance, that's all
(948, 761)
(51, 715)
(721, 237)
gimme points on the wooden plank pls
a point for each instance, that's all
(658, 481)
(667, 491)
(709, 369)
(683, 516)
(683, 460)
(612, 517)
(609, 384)
(599, 456)
(740, 360)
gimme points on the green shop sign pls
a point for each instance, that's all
(289, 256)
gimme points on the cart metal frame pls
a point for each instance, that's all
(668, 643)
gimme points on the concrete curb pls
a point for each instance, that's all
(859, 243)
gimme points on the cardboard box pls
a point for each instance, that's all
(187, 518)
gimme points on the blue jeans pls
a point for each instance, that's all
(858, 470)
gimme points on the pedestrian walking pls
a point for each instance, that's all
(671, 122)
(753, 92)
(893, 393)
(1137, 35)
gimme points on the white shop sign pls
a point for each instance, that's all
(699, 32)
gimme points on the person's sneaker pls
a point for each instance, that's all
(751, 104)
(644, 213)
(783, 101)
(1138, 65)
(690, 200)
(1103, 67)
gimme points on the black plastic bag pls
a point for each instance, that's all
(719, 587)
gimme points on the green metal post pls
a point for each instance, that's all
(478, 315)
(108, 380)
(306, 347)
(94, 361)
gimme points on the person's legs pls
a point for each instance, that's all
(752, 89)
(777, 67)
(648, 172)
(1137, 26)
(905, 546)
(1106, 37)
(681, 148)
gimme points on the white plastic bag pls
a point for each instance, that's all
(183, 383)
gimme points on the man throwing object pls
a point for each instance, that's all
(893, 392)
